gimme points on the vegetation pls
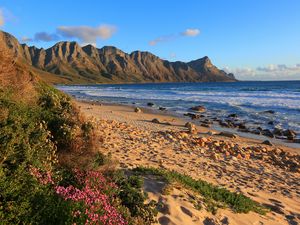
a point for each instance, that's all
(37, 188)
(214, 196)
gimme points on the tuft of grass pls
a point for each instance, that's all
(214, 196)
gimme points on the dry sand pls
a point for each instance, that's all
(244, 166)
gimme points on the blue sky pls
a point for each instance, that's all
(255, 39)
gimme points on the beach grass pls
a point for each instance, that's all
(214, 196)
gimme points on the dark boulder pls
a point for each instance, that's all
(162, 108)
(290, 134)
(268, 133)
(267, 142)
(155, 120)
(233, 115)
(193, 116)
(269, 111)
(198, 108)
(277, 131)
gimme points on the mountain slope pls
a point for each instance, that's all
(68, 62)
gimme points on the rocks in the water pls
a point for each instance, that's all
(233, 115)
(241, 126)
(256, 131)
(162, 108)
(269, 111)
(205, 125)
(155, 120)
(290, 134)
(268, 133)
(278, 131)
(137, 110)
(193, 116)
(267, 142)
(198, 108)
(224, 124)
(228, 134)
(191, 127)
(150, 104)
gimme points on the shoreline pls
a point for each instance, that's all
(246, 136)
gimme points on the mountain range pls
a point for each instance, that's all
(68, 62)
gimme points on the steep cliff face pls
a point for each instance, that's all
(88, 64)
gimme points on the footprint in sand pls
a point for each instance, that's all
(164, 220)
(186, 211)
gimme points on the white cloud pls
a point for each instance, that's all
(166, 38)
(191, 32)
(26, 39)
(269, 72)
(86, 34)
(1, 18)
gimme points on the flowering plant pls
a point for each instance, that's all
(92, 203)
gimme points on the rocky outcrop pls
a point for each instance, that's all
(111, 65)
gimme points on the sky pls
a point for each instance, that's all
(254, 39)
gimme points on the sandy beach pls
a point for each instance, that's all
(267, 174)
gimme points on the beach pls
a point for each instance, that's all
(267, 174)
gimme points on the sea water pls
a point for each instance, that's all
(249, 100)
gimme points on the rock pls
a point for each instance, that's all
(239, 156)
(215, 156)
(191, 127)
(162, 108)
(184, 135)
(271, 122)
(245, 130)
(211, 132)
(155, 121)
(233, 115)
(224, 124)
(268, 133)
(270, 111)
(267, 142)
(290, 134)
(258, 132)
(234, 158)
(150, 104)
(228, 134)
(192, 115)
(207, 121)
(277, 131)
(198, 108)
(205, 125)
(296, 140)
(247, 156)
(137, 110)
(242, 126)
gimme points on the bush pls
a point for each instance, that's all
(36, 189)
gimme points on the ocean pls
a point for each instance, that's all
(249, 100)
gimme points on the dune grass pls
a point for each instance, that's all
(239, 203)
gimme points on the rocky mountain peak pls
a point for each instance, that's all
(109, 64)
